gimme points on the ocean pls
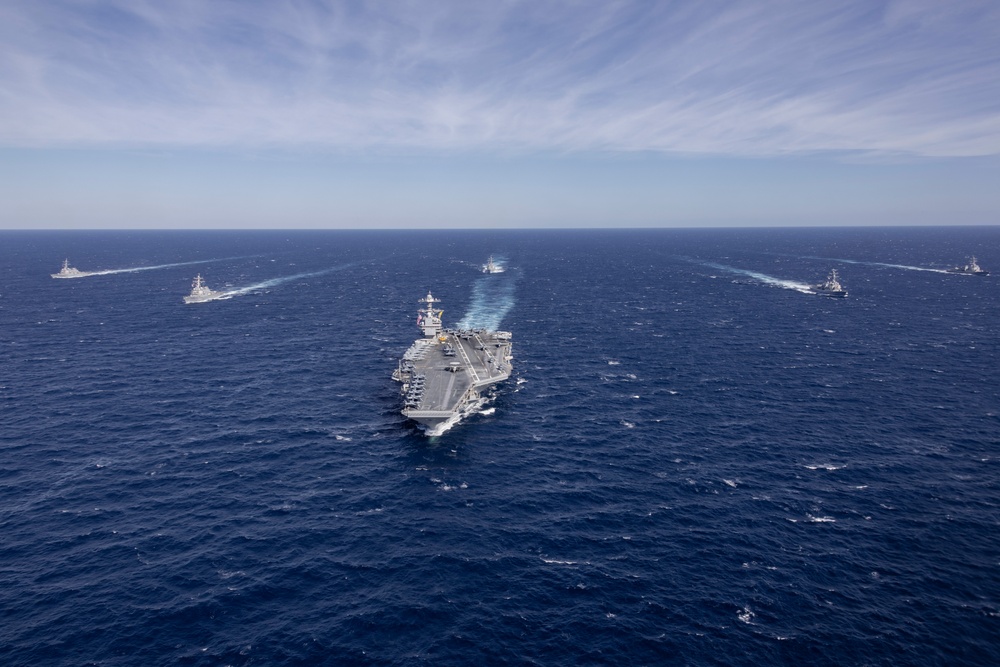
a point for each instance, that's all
(696, 462)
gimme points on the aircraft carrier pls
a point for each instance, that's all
(445, 373)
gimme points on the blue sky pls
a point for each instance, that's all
(184, 113)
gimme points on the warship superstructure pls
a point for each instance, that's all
(68, 271)
(972, 269)
(491, 267)
(831, 287)
(445, 373)
(200, 292)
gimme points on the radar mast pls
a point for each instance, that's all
(429, 320)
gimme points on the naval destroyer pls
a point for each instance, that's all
(200, 292)
(491, 267)
(971, 269)
(68, 271)
(445, 373)
(832, 286)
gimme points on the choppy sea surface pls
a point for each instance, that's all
(696, 462)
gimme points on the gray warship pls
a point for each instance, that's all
(200, 292)
(491, 267)
(443, 374)
(971, 269)
(68, 271)
(831, 287)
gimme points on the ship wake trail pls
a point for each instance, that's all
(764, 278)
(273, 282)
(136, 269)
(891, 266)
(492, 299)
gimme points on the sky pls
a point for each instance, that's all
(318, 114)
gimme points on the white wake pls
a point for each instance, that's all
(273, 282)
(763, 277)
(136, 269)
(891, 266)
(492, 299)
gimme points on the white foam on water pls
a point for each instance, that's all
(136, 269)
(891, 266)
(764, 278)
(274, 282)
(492, 299)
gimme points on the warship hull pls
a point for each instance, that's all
(200, 292)
(831, 287)
(202, 298)
(68, 271)
(970, 269)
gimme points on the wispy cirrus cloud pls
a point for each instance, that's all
(777, 77)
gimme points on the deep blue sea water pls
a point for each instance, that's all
(695, 463)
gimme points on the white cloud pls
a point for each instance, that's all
(722, 78)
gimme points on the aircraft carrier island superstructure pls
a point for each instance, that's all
(445, 373)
